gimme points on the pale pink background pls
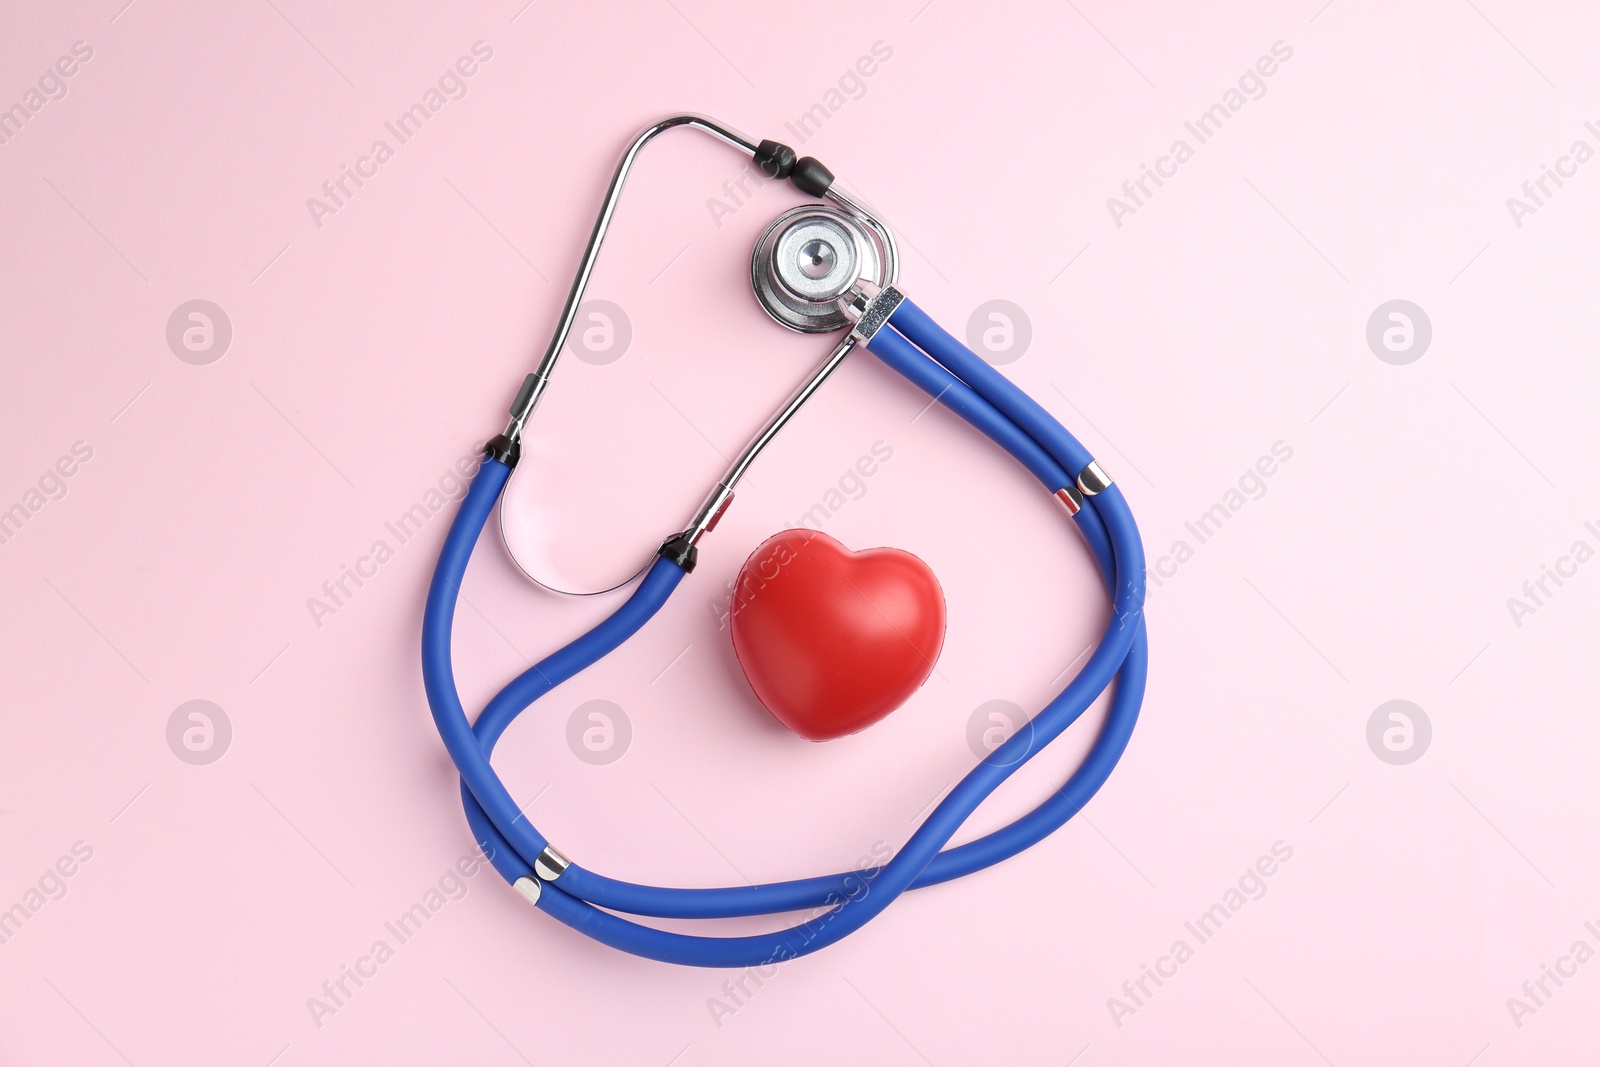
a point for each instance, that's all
(369, 355)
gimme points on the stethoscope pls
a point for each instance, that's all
(817, 268)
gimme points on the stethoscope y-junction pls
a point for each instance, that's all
(818, 268)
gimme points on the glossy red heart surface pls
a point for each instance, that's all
(833, 640)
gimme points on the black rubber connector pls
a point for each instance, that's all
(523, 394)
(811, 177)
(504, 449)
(775, 159)
(681, 552)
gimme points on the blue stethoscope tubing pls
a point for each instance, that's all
(915, 346)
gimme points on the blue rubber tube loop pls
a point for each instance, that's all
(1008, 399)
(952, 863)
(509, 838)
(536, 681)
(439, 675)
(784, 896)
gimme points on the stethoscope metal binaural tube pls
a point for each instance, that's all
(533, 386)
(717, 502)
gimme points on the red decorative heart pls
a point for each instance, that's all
(833, 640)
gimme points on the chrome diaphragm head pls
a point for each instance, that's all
(806, 261)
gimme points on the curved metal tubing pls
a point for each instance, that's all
(533, 387)
(528, 397)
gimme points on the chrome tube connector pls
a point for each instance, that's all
(550, 865)
(872, 314)
(1092, 480)
(705, 520)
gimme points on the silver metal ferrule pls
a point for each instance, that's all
(875, 313)
(527, 396)
(705, 520)
(1092, 480)
(1070, 498)
(550, 864)
(530, 888)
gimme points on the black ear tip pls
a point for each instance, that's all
(776, 160)
(810, 176)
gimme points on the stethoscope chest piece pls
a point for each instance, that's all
(805, 261)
